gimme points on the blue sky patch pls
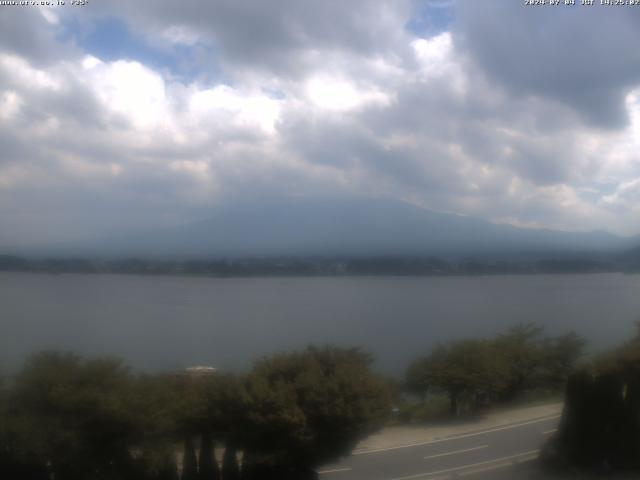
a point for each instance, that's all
(110, 39)
(431, 17)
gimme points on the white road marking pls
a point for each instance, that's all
(547, 432)
(456, 451)
(522, 459)
(500, 461)
(476, 471)
(456, 437)
(334, 470)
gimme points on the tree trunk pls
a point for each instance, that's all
(207, 466)
(230, 469)
(169, 469)
(189, 461)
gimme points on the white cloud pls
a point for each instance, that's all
(49, 16)
(89, 62)
(434, 53)
(180, 35)
(226, 104)
(318, 106)
(331, 93)
(20, 72)
(131, 89)
(10, 103)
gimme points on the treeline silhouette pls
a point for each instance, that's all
(64, 417)
(600, 426)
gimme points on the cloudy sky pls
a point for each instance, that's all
(119, 114)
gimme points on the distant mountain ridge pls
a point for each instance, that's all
(339, 227)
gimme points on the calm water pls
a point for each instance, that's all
(170, 322)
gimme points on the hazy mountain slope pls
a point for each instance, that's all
(344, 227)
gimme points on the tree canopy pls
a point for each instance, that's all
(72, 418)
(312, 406)
(478, 372)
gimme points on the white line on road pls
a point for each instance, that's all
(496, 466)
(489, 468)
(456, 451)
(334, 470)
(456, 437)
(500, 461)
(547, 432)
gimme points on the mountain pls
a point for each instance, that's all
(346, 227)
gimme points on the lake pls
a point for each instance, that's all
(171, 322)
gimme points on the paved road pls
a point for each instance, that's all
(501, 453)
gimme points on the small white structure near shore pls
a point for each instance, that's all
(200, 371)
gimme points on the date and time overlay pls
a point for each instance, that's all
(43, 3)
(583, 3)
(552, 3)
(568, 3)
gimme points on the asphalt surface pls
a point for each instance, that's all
(502, 453)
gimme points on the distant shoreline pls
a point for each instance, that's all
(351, 275)
(312, 267)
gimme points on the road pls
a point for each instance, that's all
(501, 453)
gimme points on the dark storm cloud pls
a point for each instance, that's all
(586, 57)
(284, 37)
(25, 32)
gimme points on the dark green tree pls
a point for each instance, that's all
(469, 371)
(521, 345)
(599, 429)
(224, 407)
(310, 407)
(75, 415)
(17, 457)
(559, 357)
(475, 372)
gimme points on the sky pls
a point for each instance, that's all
(120, 115)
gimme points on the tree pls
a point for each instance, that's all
(418, 377)
(524, 353)
(470, 370)
(5, 446)
(225, 406)
(310, 407)
(560, 355)
(480, 371)
(157, 405)
(168, 469)
(230, 470)
(599, 428)
(74, 414)
(536, 361)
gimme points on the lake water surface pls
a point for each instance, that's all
(171, 322)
